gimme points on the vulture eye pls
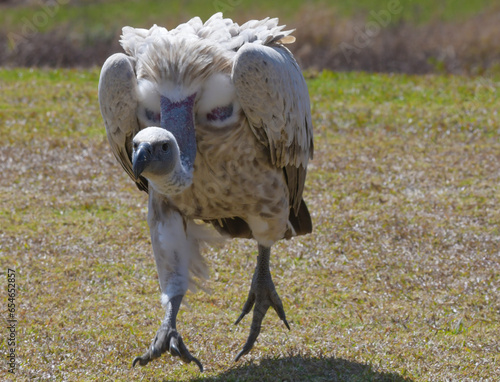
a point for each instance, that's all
(220, 113)
(165, 147)
(135, 145)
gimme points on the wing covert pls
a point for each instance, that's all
(118, 102)
(273, 94)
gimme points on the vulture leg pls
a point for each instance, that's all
(263, 295)
(171, 247)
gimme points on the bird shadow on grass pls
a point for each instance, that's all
(297, 368)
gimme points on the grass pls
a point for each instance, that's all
(398, 282)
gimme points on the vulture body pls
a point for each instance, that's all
(213, 121)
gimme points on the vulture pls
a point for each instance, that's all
(212, 120)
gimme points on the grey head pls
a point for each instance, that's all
(156, 156)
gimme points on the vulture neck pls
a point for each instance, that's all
(178, 118)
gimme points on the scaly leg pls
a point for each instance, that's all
(263, 295)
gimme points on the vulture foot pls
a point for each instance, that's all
(168, 339)
(262, 295)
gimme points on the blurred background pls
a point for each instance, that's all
(409, 36)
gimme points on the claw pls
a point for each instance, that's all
(247, 307)
(239, 318)
(174, 350)
(177, 348)
(143, 360)
(278, 307)
(152, 353)
(286, 323)
(243, 351)
(195, 360)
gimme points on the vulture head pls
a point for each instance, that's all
(158, 157)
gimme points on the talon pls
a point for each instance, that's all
(198, 363)
(136, 359)
(174, 350)
(240, 317)
(177, 345)
(247, 307)
(286, 323)
(143, 360)
(241, 354)
(278, 307)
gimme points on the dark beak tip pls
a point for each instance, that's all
(136, 171)
(136, 176)
(137, 168)
(140, 159)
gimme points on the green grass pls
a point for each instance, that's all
(398, 282)
(59, 103)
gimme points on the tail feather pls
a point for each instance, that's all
(301, 222)
(234, 227)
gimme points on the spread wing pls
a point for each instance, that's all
(118, 101)
(273, 94)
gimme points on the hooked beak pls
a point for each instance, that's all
(141, 157)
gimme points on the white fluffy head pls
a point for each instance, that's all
(223, 31)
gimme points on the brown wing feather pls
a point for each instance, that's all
(273, 94)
